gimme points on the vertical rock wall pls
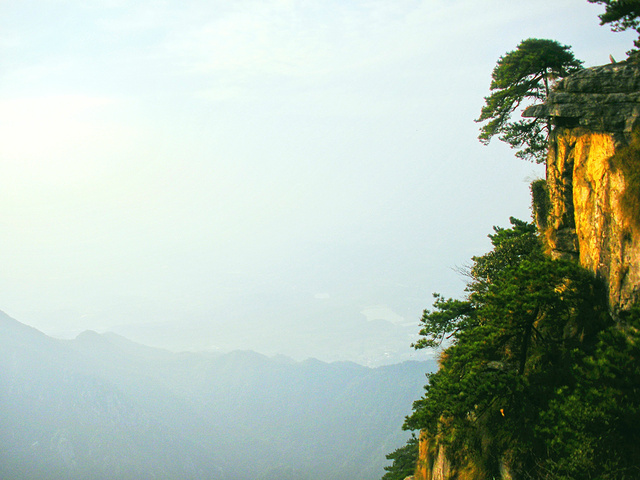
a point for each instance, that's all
(587, 219)
(432, 461)
(594, 113)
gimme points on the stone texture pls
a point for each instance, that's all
(593, 113)
(433, 463)
(600, 99)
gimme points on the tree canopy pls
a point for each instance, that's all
(521, 77)
(404, 461)
(622, 15)
(532, 356)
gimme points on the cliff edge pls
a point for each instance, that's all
(590, 175)
(589, 206)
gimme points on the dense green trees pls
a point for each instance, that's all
(523, 76)
(404, 461)
(535, 373)
(590, 427)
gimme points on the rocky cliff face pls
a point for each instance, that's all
(432, 461)
(594, 114)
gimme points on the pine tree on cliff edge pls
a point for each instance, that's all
(520, 78)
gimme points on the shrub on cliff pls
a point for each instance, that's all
(534, 369)
(591, 426)
(627, 160)
(403, 461)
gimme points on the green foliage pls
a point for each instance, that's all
(446, 320)
(451, 316)
(627, 160)
(540, 202)
(523, 76)
(622, 15)
(536, 373)
(591, 427)
(510, 246)
(404, 461)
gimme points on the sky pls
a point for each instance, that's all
(294, 177)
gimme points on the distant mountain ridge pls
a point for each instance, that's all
(101, 406)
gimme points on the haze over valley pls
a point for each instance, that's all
(282, 176)
(101, 406)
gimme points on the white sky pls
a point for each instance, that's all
(289, 176)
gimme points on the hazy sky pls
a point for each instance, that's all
(289, 176)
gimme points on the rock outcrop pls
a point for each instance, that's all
(432, 461)
(594, 114)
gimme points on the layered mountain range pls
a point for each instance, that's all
(101, 406)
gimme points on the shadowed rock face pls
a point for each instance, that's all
(594, 113)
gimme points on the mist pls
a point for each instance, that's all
(282, 176)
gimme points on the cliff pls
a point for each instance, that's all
(589, 206)
(592, 214)
(432, 462)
